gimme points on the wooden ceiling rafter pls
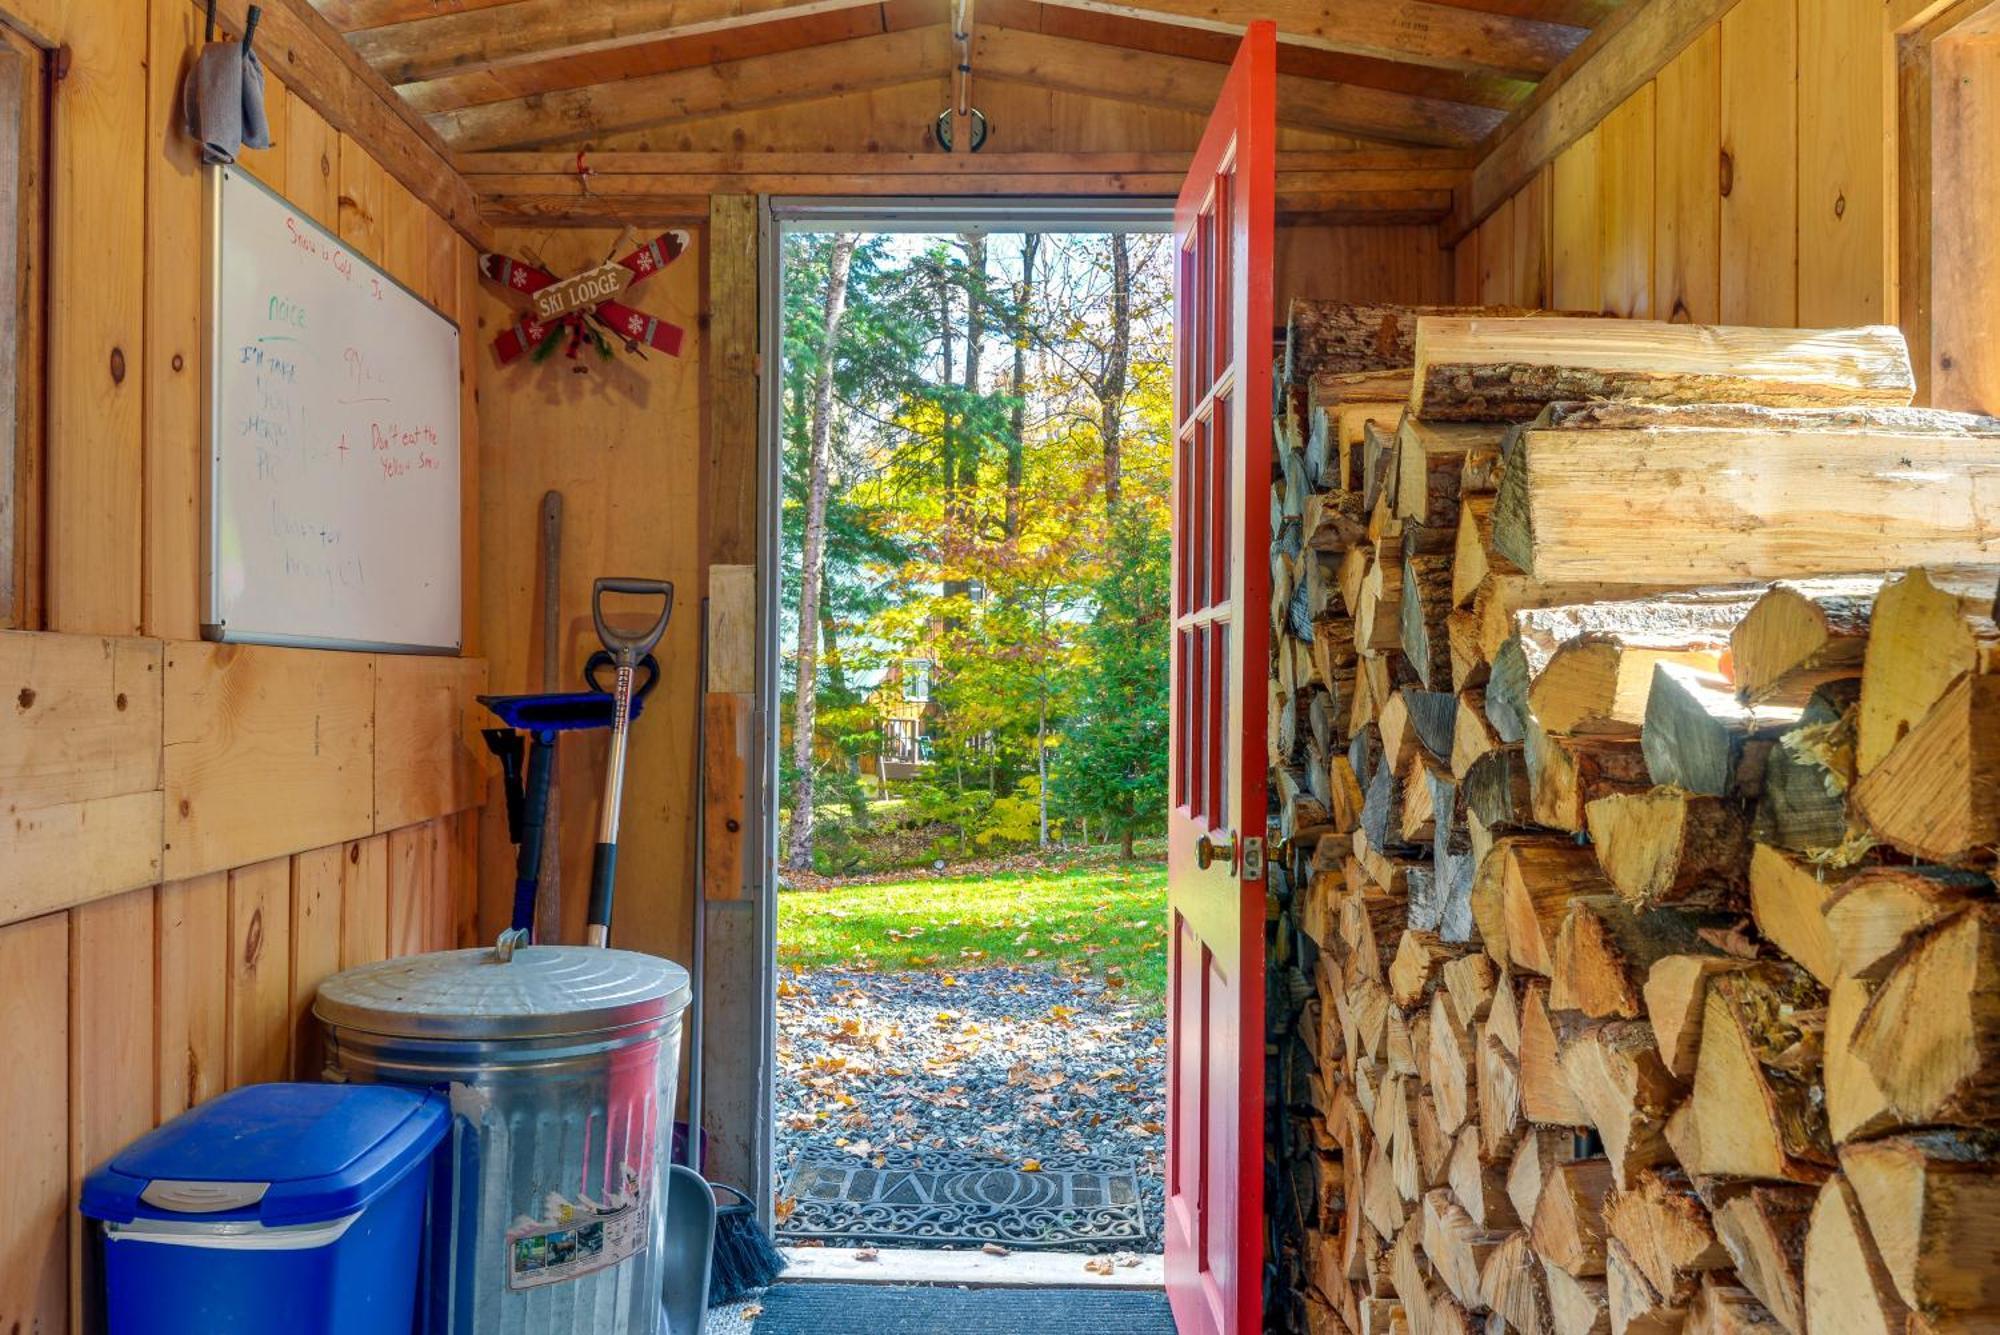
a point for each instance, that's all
(1414, 32)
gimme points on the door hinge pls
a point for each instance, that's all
(1253, 858)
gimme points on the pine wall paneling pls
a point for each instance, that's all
(148, 958)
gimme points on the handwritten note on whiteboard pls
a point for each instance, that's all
(333, 487)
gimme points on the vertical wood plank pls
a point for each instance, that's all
(97, 245)
(444, 849)
(1954, 299)
(409, 888)
(1496, 256)
(174, 347)
(440, 264)
(405, 241)
(193, 954)
(24, 83)
(1628, 136)
(364, 901)
(1846, 163)
(1576, 226)
(363, 192)
(312, 165)
(1760, 147)
(34, 1154)
(465, 880)
(316, 933)
(1465, 269)
(1687, 240)
(111, 1057)
(270, 165)
(260, 956)
(1530, 234)
(466, 276)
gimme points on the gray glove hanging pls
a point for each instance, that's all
(223, 99)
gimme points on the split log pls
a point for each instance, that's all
(1546, 1095)
(1801, 635)
(1508, 685)
(1722, 1308)
(1625, 1091)
(1848, 1289)
(1676, 992)
(1333, 521)
(1665, 1229)
(1479, 1183)
(1788, 898)
(1510, 1284)
(1932, 1205)
(1472, 733)
(1426, 602)
(1577, 1306)
(1879, 910)
(1568, 1227)
(1567, 774)
(1471, 982)
(1485, 369)
(1700, 737)
(1764, 1230)
(1928, 630)
(1637, 1306)
(1496, 789)
(1449, 1066)
(1669, 846)
(1457, 1248)
(1756, 1109)
(1855, 1105)
(1429, 459)
(1540, 1150)
(1497, 1075)
(1566, 503)
(1807, 775)
(1930, 1035)
(1328, 338)
(1936, 794)
(1605, 949)
(1472, 558)
(1413, 973)
(1600, 683)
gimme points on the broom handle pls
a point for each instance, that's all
(698, 950)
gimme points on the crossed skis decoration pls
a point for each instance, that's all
(632, 327)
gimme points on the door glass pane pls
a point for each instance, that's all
(1220, 305)
(1218, 488)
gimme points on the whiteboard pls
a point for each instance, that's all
(332, 506)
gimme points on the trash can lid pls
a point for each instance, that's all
(275, 1154)
(542, 991)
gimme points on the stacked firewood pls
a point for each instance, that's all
(1638, 765)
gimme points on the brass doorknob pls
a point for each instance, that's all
(1207, 852)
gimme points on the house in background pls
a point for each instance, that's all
(903, 710)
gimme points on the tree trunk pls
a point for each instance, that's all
(1117, 366)
(1017, 440)
(798, 854)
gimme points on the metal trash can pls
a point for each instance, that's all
(561, 1064)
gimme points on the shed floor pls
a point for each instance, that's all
(882, 1309)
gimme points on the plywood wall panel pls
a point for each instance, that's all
(34, 1153)
(428, 757)
(1760, 149)
(1576, 226)
(260, 989)
(1400, 263)
(317, 880)
(1846, 91)
(1687, 231)
(1529, 233)
(268, 751)
(1465, 269)
(1628, 207)
(410, 866)
(1497, 256)
(96, 340)
(193, 953)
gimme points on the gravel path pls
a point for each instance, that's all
(1020, 1063)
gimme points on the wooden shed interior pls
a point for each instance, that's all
(196, 834)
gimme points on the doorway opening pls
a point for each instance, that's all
(974, 421)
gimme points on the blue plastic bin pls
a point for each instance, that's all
(288, 1209)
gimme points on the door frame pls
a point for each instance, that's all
(753, 954)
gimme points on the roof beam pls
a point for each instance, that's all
(580, 114)
(1068, 65)
(1629, 49)
(526, 31)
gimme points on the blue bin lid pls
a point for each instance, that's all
(321, 1152)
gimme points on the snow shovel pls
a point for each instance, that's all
(623, 651)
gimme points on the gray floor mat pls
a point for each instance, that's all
(880, 1309)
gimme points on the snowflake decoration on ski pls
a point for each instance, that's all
(589, 323)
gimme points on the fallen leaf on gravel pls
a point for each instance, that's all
(995, 1249)
(1098, 1265)
(753, 1311)
(867, 1254)
(1031, 1165)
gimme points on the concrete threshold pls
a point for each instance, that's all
(972, 1269)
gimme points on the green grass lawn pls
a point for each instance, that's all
(1109, 918)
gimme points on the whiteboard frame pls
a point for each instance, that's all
(211, 563)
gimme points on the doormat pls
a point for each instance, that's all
(882, 1309)
(930, 1198)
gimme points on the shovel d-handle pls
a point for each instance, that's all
(627, 652)
(627, 649)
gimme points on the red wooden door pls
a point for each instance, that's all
(1224, 229)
